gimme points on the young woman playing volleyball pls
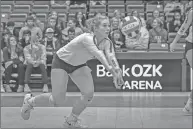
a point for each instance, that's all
(71, 60)
(188, 50)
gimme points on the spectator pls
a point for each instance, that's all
(2, 72)
(158, 34)
(66, 38)
(11, 28)
(156, 14)
(115, 24)
(13, 58)
(118, 15)
(97, 2)
(52, 24)
(5, 37)
(30, 26)
(51, 43)
(173, 5)
(26, 38)
(2, 26)
(176, 23)
(37, 22)
(117, 39)
(72, 24)
(80, 20)
(71, 34)
(60, 22)
(35, 59)
(136, 14)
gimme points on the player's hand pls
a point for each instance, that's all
(172, 46)
(118, 79)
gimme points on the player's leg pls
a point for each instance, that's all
(83, 79)
(59, 80)
(188, 106)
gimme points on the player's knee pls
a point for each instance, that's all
(87, 98)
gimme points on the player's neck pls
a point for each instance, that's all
(99, 36)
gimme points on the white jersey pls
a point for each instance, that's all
(187, 24)
(79, 50)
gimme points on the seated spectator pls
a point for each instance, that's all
(11, 28)
(13, 58)
(176, 23)
(2, 26)
(51, 43)
(52, 24)
(2, 72)
(136, 37)
(31, 26)
(72, 24)
(80, 20)
(67, 38)
(5, 37)
(117, 39)
(25, 39)
(156, 14)
(173, 5)
(97, 2)
(158, 34)
(115, 24)
(35, 59)
(60, 22)
(136, 14)
(37, 22)
(118, 15)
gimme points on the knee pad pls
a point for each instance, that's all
(87, 98)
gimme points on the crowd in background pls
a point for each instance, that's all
(31, 48)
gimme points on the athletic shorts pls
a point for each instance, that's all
(57, 63)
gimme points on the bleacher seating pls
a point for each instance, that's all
(21, 8)
(158, 47)
(23, 2)
(59, 8)
(40, 8)
(6, 8)
(112, 8)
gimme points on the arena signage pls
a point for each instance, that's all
(141, 75)
(137, 70)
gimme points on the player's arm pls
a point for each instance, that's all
(110, 55)
(184, 27)
(92, 48)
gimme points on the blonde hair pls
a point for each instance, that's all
(94, 23)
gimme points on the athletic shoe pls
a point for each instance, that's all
(188, 107)
(2, 89)
(73, 124)
(27, 89)
(45, 89)
(26, 108)
(20, 89)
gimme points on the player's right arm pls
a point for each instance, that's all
(184, 27)
(92, 48)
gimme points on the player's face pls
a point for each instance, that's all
(12, 41)
(104, 27)
(11, 28)
(79, 15)
(27, 37)
(54, 14)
